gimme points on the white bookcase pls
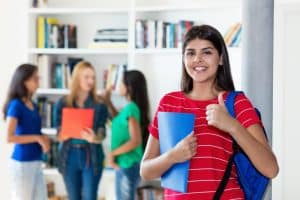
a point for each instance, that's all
(162, 67)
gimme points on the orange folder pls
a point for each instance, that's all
(74, 120)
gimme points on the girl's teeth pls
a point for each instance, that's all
(199, 68)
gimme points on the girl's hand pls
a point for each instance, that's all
(218, 116)
(111, 161)
(89, 135)
(185, 149)
(62, 138)
(44, 141)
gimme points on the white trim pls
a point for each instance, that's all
(282, 11)
(66, 11)
(77, 51)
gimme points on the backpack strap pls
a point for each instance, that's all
(229, 103)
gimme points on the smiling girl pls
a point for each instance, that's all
(205, 83)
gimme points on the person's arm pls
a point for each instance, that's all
(135, 138)
(252, 139)
(153, 164)
(107, 99)
(255, 145)
(112, 109)
(98, 136)
(24, 139)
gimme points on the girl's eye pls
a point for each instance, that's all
(190, 53)
(207, 52)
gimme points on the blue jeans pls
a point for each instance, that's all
(80, 180)
(127, 180)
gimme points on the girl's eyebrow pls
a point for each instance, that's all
(203, 49)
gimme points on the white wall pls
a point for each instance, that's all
(286, 138)
(12, 53)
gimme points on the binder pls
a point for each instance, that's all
(172, 128)
(74, 120)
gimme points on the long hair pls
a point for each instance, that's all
(17, 88)
(136, 85)
(223, 79)
(75, 83)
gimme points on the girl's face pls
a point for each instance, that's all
(32, 83)
(122, 89)
(201, 60)
(87, 80)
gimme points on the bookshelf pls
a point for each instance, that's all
(78, 51)
(156, 63)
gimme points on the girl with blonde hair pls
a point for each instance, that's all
(81, 160)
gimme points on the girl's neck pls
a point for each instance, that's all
(203, 91)
(81, 98)
(128, 98)
(26, 99)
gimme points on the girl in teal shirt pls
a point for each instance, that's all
(129, 134)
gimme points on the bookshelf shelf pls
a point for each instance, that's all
(49, 131)
(158, 6)
(66, 11)
(52, 91)
(157, 50)
(172, 50)
(77, 51)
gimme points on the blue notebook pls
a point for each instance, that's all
(172, 128)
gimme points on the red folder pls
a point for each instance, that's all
(74, 120)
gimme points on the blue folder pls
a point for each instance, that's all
(172, 128)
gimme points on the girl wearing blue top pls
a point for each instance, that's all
(81, 160)
(24, 130)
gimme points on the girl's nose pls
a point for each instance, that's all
(198, 57)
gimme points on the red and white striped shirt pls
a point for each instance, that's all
(214, 147)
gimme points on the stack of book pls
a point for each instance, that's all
(61, 72)
(110, 38)
(51, 34)
(46, 110)
(233, 36)
(160, 34)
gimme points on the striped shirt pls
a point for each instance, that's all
(214, 147)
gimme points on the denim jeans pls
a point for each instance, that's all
(28, 181)
(127, 180)
(80, 180)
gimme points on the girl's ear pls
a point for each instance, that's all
(221, 60)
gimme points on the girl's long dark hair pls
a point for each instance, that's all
(136, 85)
(223, 79)
(17, 88)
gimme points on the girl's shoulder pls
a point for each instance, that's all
(171, 96)
(16, 102)
(60, 103)
(241, 98)
(132, 106)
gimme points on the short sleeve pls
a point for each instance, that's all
(14, 109)
(245, 112)
(153, 127)
(133, 111)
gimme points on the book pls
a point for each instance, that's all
(74, 120)
(41, 40)
(172, 128)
